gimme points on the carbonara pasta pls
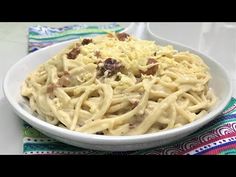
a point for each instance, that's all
(116, 84)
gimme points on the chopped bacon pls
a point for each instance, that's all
(86, 41)
(134, 103)
(111, 66)
(63, 73)
(51, 87)
(74, 52)
(152, 70)
(97, 54)
(64, 81)
(122, 36)
(151, 61)
(135, 122)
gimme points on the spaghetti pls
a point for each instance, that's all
(116, 84)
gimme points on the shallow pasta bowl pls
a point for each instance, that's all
(220, 83)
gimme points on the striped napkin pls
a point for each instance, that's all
(217, 137)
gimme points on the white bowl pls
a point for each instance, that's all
(220, 82)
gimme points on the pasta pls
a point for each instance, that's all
(116, 84)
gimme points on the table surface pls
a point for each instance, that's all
(13, 46)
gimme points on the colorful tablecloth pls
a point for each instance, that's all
(217, 137)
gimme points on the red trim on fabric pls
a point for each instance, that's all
(232, 108)
(210, 141)
(217, 151)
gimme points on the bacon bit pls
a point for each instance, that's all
(63, 73)
(134, 103)
(51, 87)
(97, 54)
(155, 54)
(136, 121)
(74, 52)
(151, 61)
(111, 66)
(86, 41)
(64, 81)
(122, 36)
(152, 70)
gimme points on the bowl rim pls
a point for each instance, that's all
(105, 139)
